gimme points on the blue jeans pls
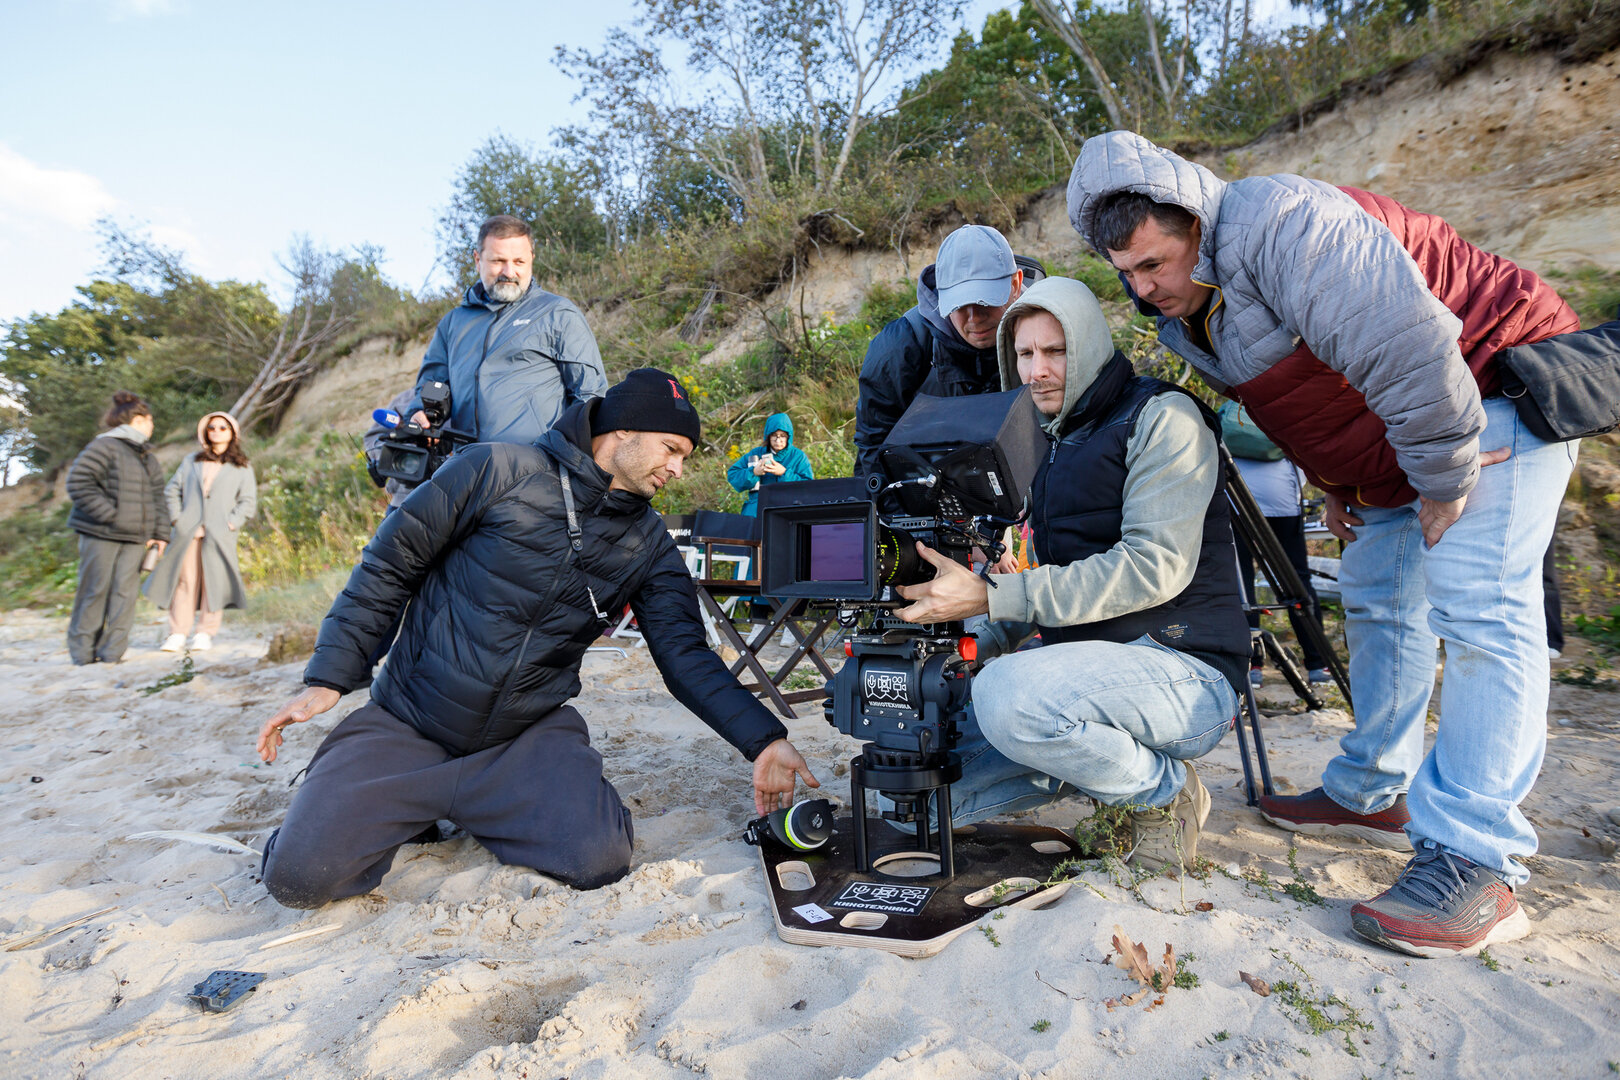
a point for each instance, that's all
(1479, 590)
(1107, 720)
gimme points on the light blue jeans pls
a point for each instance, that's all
(1107, 720)
(1479, 589)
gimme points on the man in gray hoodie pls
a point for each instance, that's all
(514, 355)
(1144, 644)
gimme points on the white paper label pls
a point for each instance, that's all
(810, 913)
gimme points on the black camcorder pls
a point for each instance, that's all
(954, 473)
(411, 454)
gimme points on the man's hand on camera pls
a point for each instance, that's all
(775, 771)
(955, 593)
(312, 702)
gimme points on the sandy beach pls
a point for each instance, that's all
(460, 967)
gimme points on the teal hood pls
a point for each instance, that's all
(778, 422)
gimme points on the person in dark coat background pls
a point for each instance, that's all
(116, 486)
(512, 558)
(946, 344)
(774, 461)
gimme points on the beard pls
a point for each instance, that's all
(632, 467)
(505, 290)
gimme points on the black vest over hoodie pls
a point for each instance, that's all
(1078, 511)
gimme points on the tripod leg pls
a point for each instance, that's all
(1291, 670)
(1259, 745)
(947, 853)
(857, 808)
(1243, 754)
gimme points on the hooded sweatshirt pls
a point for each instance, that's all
(1171, 474)
(742, 475)
(1359, 334)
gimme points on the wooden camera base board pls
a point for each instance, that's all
(819, 898)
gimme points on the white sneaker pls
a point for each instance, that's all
(201, 642)
(173, 643)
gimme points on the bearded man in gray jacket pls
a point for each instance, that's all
(514, 355)
(1144, 644)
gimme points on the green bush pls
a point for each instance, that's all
(39, 559)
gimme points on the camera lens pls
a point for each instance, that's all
(897, 560)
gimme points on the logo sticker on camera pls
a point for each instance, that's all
(889, 899)
(888, 688)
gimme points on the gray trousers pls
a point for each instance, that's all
(539, 800)
(104, 605)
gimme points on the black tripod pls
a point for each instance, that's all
(1291, 596)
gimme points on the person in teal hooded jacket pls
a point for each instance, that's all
(775, 461)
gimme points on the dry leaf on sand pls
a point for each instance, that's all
(1133, 959)
(1257, 984)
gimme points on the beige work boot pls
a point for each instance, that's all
(1167, 836)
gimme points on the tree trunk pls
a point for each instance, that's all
(1066, 28)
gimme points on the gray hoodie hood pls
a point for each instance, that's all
(1088, 343)
(1124, 161)
(126, 432)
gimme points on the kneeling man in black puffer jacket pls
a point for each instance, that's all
(513, 559)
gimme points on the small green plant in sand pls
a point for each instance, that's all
(1603, 629)
(1319, 1013)
(1300, 889)
(1592, 676)
(990, 936)
(1040, 1026)
(1490, 962)
(184, 674)
(1106, 832)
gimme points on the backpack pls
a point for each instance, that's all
(1243, 437)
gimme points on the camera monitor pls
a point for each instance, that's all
(818, 540)
(984, 449)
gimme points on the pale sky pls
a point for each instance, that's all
(226, 128)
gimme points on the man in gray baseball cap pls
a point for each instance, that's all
(946, 345)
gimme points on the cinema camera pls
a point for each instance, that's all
(411, 454)
(953, 473)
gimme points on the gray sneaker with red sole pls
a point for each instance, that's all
(1315, 814)
(1442, 905)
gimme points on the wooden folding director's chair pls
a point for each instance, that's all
(732, 541)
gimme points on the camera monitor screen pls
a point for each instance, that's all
(838, 551)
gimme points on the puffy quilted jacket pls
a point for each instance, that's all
(512, 368)
(1359, 334)
(503, 606)
(116, 486)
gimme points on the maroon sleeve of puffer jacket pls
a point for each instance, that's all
(1499, 302)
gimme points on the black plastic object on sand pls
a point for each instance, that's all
(222, 989)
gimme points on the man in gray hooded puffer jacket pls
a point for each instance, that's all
(1362, 338)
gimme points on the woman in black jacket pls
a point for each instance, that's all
(116, 485)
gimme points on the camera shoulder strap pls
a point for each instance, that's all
(575, 535)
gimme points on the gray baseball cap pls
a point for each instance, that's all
(975, 266)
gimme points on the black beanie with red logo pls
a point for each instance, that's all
(647, 400)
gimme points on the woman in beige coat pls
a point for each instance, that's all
(209, 497)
